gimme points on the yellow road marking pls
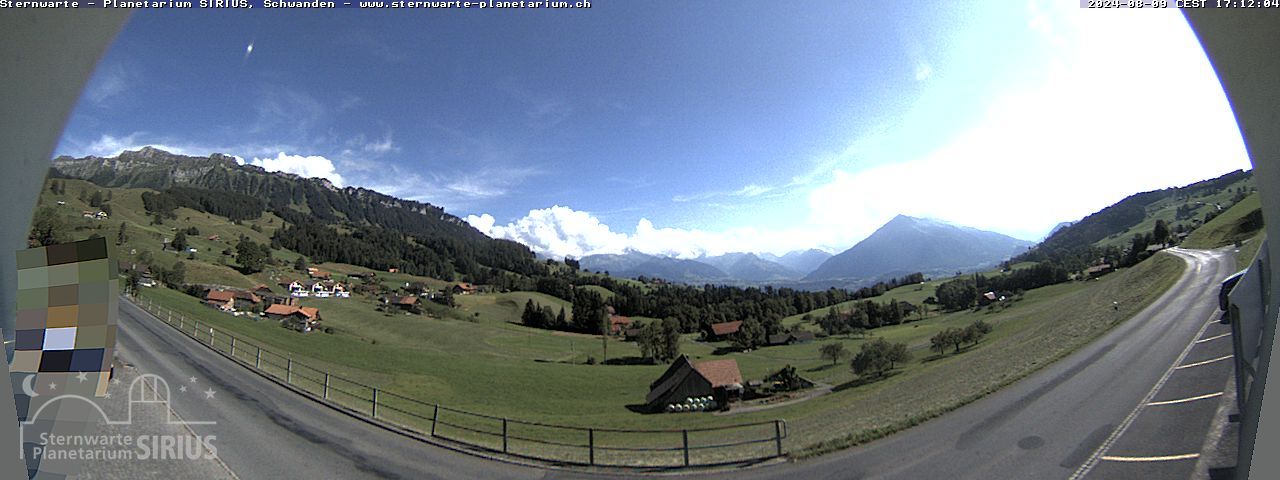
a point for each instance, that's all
(1185, 400)
(1187, 456)
(1206, 362)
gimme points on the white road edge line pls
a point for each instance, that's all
(1185, 400)
(1187, 456)
(1206, 362)
(1215, 337)
(1133, 415)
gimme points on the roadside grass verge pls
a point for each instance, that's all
(1062, 325)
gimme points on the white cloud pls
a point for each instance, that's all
(561, 231)
(110, 146)
(306, 166)
(557, 231)
(381, 146)
(923, 71)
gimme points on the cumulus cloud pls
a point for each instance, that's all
(561, 231)
(306, 166)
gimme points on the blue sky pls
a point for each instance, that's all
(685, 128)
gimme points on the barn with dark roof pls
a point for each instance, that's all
(720, 379)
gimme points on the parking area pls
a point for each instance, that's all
(1164, 436)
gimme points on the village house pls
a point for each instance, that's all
(246, 300)
(221, 299)
(262, 290)
(302, 319)
(314, 272)
(718, 379)
(407, 303)
(464, 289)
(721, 331)
(618, 324)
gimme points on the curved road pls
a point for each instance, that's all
(1047, 425)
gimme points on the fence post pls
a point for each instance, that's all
(374, 413)
(233, 348)
(434, 418)
(211, 342)
(504, 435)
(591, 446)
(326, 385)
(777, 435)
(288, 371)
(686, 446)
(257, 360)
(180, 325)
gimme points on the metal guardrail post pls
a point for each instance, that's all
(686, 446)
(374, 411)
(504, 435)
(591, 446)
(180, 324)
(233, 347)
(326, 385)
(435, 417)
(257, 360)
(288, 371)
(777, 435)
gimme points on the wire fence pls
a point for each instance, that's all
(560, 444)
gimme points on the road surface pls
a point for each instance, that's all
(1118, 408)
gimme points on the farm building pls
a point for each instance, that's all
(618, 324)
(261, 290)
(302, 319)
(720, 331)
(719, 379)
(793, 338)
(464, 289)
(246, 300)
(221, 299)
(1098, 270)
(406, 303)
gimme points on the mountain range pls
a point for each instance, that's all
(435, 242)
(907, 245)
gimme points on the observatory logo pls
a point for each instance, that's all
(143, 433)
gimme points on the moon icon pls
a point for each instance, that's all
(26, 386)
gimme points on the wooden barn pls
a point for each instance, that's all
(720, 379)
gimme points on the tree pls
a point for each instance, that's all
(48, 227)
(590, 313)
(1160, 233)
(561, 321)
(174, 277)
(300, 264)
(879, 356)
(179, 241)
(121, 235)
(252, 256)
(750, 335)
(659, 341)
(833, 351)
(132, 279)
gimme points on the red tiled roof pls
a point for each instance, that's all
(720, 372)
(310, 312)
(281, 309)
(220, 295)
(726, 328)
(407, 300)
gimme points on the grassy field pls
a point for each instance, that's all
(1167, 210)
(479, 358)
(1227, 228)
(491, 365)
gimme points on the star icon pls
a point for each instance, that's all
(208, 394)
(193, 379)
(82, 376)
(182, 389)
(53, 386)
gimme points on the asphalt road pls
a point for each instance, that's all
(1090, 414)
